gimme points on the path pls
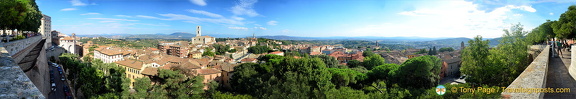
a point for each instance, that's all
(558, 77)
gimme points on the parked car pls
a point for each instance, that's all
(67, 91)
(53, 87)
(62, 78)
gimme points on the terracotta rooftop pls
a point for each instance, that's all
(315, 53)
(153, 49)
(208, 71)
(115, 51)
(67, 38)
(150, 71)
(277, 52)
(130, 63)
(248, 59)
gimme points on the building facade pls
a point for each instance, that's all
(45, 28)
(70, 44)
(110, 54)
(199, 39)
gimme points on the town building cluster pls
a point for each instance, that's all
(188, 56)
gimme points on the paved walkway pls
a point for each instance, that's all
(558, 77)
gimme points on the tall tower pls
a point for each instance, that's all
(462, 45)
(198, 30)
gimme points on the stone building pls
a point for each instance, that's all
(199, 39)
(112, 54)
(70, 44)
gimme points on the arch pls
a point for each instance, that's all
(70, 48)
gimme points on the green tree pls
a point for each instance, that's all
(141, 86)
(446, 49)
(565, 27)
(382, 72)
(13, 13)
(510, 58)
(220, 95)
(221, 49)
(177, 85)
(91, 79)
(292, 78)
(373, 61)
(367, 52)
(422, 51)
(330, 61)
(474, 59)
(343, 77)
(258, 49)
(354, 63)
(208, 52)
(346, 93)
(419, 72)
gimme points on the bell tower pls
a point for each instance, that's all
(198, 31)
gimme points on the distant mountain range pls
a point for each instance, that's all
(412, 41)
(283, 37)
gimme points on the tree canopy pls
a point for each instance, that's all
(258, 49)
(565, 27)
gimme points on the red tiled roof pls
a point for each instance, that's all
(277, 52)
(130, 63)
(150, 71)
(67, 38)
(153, 49)
(208, 71)
(315, 53)
(248, 59)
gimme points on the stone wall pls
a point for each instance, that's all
(534, 76)
(572, 68)
(14, 47)
(14, 84)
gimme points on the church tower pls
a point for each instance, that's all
(198, 31)
(462, 45)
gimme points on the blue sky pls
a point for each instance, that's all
(310, 18)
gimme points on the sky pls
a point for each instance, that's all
(304, 18)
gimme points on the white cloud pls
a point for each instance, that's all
(261, 28)
(449, 18)
(111, 19)
(245, 7)
(123, 16)
(237, 18)
(525, 8)
(190, 19)
(106, 21)
(77, 3)
(199, 2)
(148, 17)
(68, 9)
(238, 28)
(90, 14)
(551, 13)
(272, 22)
(206, 13)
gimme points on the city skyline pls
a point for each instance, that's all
(447, 18)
